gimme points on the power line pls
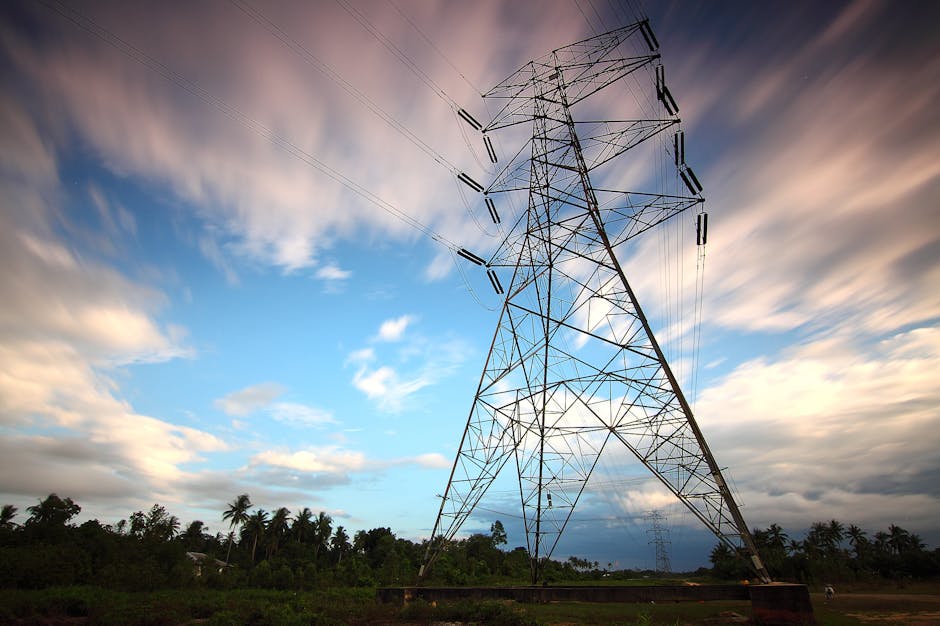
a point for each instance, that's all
(89, 25)
(435, 47)
(398, 53)
(322, 67)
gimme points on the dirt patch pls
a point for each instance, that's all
(909, 619)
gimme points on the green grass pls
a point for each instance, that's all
(94, 606)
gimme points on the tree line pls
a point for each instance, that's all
(266, 549)
(832, 551)
(304, 550)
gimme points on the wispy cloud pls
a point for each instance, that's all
(261, 398)
(250, 399)
(68, 325)
(419, 362)
(338, 460)
(300, 414)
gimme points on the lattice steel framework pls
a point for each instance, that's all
(574, 367)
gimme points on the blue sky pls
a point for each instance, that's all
(190, 312)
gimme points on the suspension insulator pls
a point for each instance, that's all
(693, 178)
(494, 280)
(679, 146)
(470, 119)
(690, 180)
(492, 208)
(668, 101)
(469, 182)
(470, 256)
(648, 35)
(688, 183)
(489, 148)
(701, 229)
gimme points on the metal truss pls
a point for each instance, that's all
(574, 367)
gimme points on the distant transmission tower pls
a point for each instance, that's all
(574, 367)
(660, 540)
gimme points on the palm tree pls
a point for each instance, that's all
(302, 525)
(340, 543)
(881, 541)
(776, 537)
(857, 539)
(53, 510)
(236, 514)
(322, 529)
(255, 526)
(6, 516)
(835, 532)
(898, 539)
(194, 535)
(277, 528)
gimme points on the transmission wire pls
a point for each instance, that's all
(435, 47)
(89, 25)
(324, 68)
(398, 53)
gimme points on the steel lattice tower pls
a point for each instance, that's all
(574, 367)
(660, 541)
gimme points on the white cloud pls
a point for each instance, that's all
(261, 398)
(364, 355)
(393, 329)
(67, 325)
(421, 363)
(213, 252)
(388, 388)
(300, 414)
(332, 272)
(250, 399)
(338, 460)
(832, 427)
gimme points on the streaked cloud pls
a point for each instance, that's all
(338, 460)
(250, 399)
(332, 272)
(300, 414)
(830, 419)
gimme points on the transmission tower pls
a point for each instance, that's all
(574, 368)
(660, 540)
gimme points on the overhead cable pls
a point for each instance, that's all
(337, 78)
(89, 25)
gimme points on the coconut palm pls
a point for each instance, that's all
(53, 510)
(277, 528)
(322, 529)
(255, 527)
(7, 513)
(340, 544)
(898, 539)
(857, 539)
(236, 514)
(302, 525)
(194, 535)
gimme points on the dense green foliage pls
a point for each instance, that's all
(150, 550)
(834, 552)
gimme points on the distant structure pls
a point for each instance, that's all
(660, 539)
(574, 368)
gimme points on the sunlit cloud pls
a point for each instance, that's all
(393, 329)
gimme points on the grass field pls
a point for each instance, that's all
(88, 605)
